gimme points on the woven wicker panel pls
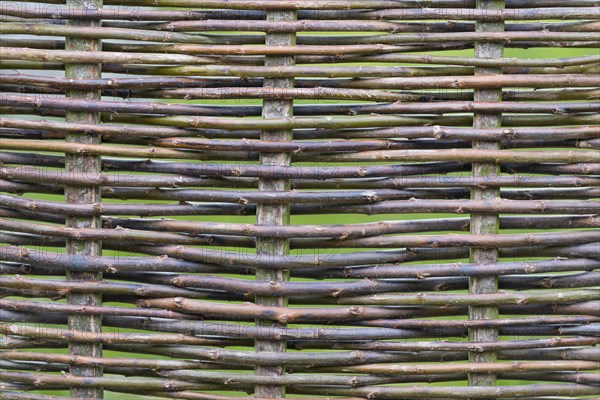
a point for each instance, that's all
(346, 199)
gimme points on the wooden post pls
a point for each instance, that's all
(485, 223)
(84, 250)
(278, 214)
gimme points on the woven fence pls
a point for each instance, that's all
(345, 199)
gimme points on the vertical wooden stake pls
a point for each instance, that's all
(485, 223)
(80, 250)
(274, 214)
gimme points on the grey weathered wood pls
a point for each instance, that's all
(86, 164)
(485, 223)
(274, 214)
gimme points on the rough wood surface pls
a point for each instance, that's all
(344, 199)
(84, 164)
(274, 214)
(485, 223)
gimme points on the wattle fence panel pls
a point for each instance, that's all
(301, 199)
